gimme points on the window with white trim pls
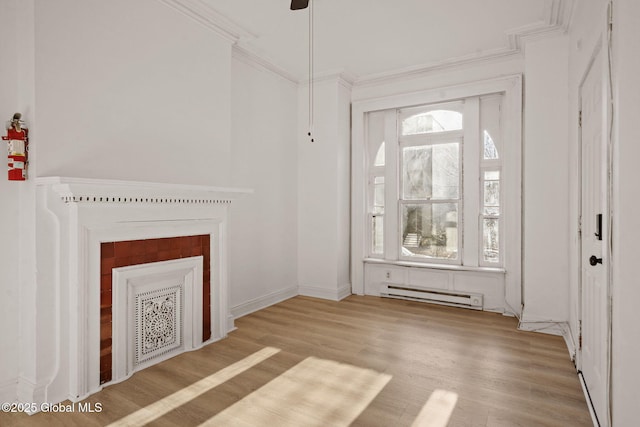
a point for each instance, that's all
(434, 178)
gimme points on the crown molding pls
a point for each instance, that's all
(234, 33)
(561, 13)
(207, 16)
(248, 56)
(557, 19)
(341, 76)
(558, 16)
(420, 70)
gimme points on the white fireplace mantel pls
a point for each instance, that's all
(74, 217)
(82, 190)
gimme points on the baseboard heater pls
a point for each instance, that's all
(436, 296)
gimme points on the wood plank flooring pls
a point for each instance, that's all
(501, 376)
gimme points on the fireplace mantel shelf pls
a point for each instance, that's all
(83, 190)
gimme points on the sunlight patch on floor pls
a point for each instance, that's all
(179, 398)
(315, 392)
(438, 409)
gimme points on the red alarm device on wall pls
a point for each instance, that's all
(17, 146)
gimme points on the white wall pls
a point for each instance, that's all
(263, 226)
(546, 181)
(131, 90)
(323, 191)
(626, 205)
(17, 211)
(343, 172)
(9, 207)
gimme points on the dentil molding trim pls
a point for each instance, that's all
(82, 190)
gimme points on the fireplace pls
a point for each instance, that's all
(144, 259)
(157, 309)
(139, 272)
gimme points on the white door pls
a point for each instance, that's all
(594, 352)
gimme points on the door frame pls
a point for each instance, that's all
(603, 46)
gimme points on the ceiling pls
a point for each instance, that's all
(371, 38)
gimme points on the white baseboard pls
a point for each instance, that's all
(587, 397)
(9, 390)
(261, 302)
(29, 392)
(551, 328)
(324, 293)
(231, 325)
(344, 291)
(570, 342)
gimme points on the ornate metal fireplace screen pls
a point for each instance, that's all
(158, 322)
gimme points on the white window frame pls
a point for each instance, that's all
(491, 165)
(481, 216)
(376, 173)
(511, 178)
(373, 172)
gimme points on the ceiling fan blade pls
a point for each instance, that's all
(299, 4)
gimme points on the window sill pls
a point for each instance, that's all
(452, 267)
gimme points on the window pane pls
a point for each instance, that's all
(430, 230)
(492, 197)
(375, 138)
(490, 150)
(490, 233)
(490, 107)
(377, 233)
(431, 172)
(379, 161)
(492, 175)
(432, 121)
(378, 194)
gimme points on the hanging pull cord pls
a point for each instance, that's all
(310, 132)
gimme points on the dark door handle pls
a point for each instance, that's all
(595, 260)
(599, 226)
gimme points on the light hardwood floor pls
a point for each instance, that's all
(502, 377)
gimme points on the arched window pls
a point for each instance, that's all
(431, 122)
(447, 194)
(432, 148)
(490, 149)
